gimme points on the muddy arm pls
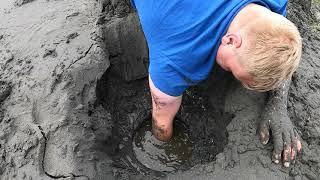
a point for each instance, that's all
(278, 98)
(275, 118)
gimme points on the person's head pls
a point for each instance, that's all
(262, 51)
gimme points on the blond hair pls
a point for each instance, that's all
(273, 52)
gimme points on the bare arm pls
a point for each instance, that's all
(164, 109)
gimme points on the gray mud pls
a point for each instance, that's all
(73, 91)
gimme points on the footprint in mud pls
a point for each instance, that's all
(162, 156)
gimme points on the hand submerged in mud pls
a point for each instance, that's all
(285, 138)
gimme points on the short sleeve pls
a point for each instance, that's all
(277, 6)
(166, 78)
(133, 4)
(283, 10)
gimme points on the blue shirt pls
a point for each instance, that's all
(183, 37)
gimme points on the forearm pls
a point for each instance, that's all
(163, 116)
(164, 109)
(275, 118)
(278, 97)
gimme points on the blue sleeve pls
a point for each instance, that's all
(283, 10)
(278, 6)
(132, 4)
(165, 76)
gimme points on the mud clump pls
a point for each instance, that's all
(5, 90)
(21, 2)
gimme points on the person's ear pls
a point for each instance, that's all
(225, 40)
(233, 39)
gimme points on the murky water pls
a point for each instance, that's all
(158, 155)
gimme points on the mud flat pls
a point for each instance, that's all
(73, 93)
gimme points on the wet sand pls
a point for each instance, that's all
(73, 91)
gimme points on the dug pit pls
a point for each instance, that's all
(200, 132)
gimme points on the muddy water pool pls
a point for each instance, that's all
(158, 155)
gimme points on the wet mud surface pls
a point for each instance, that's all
(129, 104)
(74, 101)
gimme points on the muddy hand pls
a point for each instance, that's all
(285, 138)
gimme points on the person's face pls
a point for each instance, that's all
(228, 59)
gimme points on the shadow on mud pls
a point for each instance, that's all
(129, 104)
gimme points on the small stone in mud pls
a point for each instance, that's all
(21, 2)
(7, 56)
(79, 107)
(121, 146)
(162, 156)
(5, 90)
(100, 20)
(72, 15)
(50, 52)
(71, 36)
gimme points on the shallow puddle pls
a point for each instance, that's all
(158, 155)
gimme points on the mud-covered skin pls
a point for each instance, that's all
(158, 129)
(158, 155)
(164, 109)
(275, 118)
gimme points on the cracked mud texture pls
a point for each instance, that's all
(73, 83)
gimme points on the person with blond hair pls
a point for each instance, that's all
(249, 38)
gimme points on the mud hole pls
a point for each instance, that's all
(129, 105)
(74, 93)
